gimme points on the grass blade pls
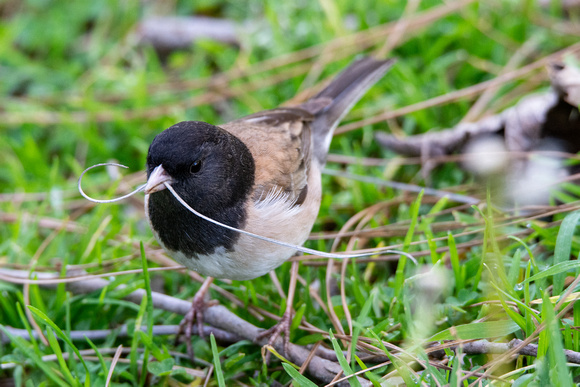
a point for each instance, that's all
(297, 376)
(60, 333)
(476, 331)
(58, 353)
(216, 362)
(564, 247)
(25, 347)
(559, 371)
(342, 361)
(558, 268)
(149, 309)
(454, 257)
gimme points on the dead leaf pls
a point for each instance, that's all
(552, 115)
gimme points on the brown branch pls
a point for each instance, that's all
(102, 334)
(482, 347)
(179, 32)
(403, 186)
(43, 222)
(217, 316)
(468, 92)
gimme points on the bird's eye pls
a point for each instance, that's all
(195, 166)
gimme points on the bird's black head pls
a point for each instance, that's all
(213, 171)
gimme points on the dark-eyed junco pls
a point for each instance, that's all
(260, 173)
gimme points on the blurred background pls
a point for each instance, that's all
(89, 82)
(83, 83)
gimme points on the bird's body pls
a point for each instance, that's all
(283, 204)
(260, 173)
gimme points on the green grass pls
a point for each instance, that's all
(77, 90)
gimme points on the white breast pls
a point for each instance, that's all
(273, 217)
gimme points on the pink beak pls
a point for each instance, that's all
(157, 179)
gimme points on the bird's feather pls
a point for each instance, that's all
(280, 141)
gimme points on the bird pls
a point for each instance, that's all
(260, 173)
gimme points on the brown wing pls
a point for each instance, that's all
(280, 141)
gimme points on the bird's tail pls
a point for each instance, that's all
(335, 101)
